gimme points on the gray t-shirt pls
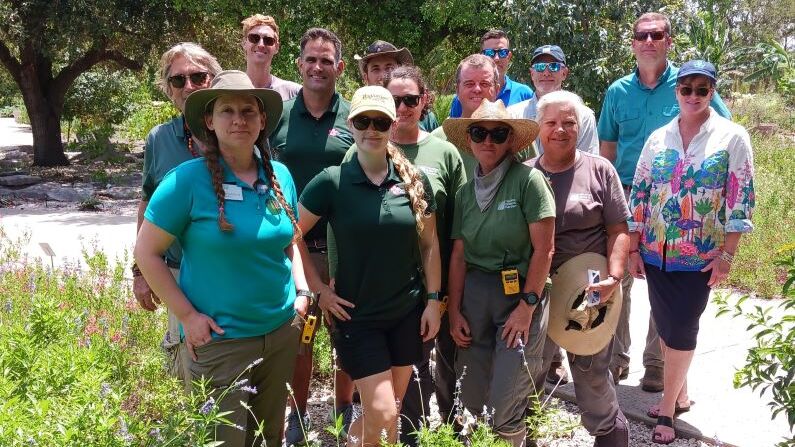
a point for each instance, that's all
(287, 89)
(588, 197)
(587, 140)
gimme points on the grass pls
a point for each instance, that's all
(774, 218)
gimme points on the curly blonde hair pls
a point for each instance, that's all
(415, 188)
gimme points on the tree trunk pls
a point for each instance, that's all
(45, 121)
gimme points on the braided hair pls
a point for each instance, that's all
(212, 155)
(414, 185)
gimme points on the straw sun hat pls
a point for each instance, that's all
(525, 131)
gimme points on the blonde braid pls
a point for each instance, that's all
(413, 181)
(211, 157)
(277, 189)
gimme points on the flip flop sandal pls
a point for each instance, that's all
(656, 437)
(677, 411)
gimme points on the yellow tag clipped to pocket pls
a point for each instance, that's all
(309, 329)
(510, 281)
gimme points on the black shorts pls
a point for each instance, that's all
(372, 347)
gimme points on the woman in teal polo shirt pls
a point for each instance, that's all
(503, 232)
(381, 210)
(233, 214)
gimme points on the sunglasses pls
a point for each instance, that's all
(687, 91)
(553, 67)
(409, 100)
(381, 124)
(502, 53)
(266, 40)
(478, 134)
(198, 78)
(642, 36)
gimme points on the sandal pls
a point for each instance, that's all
(655, 412)
(657, 437)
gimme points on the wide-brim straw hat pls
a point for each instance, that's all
(568, 291)
(525, 131)
(230, 82)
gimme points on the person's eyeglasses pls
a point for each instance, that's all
(198, 78)
(553, 67)
(478, 134)
(687, 91)
(642, 36)
(502, 53)
(381, 124)
(409, 100)
(266, 40)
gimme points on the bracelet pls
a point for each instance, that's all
(307, 293)
(432, 296)
(615, 277)
(135, 270)
(726, 256)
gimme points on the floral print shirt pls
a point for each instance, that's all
(684, 202)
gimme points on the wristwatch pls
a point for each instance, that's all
(432, 296)
(531, 298)
(307, 293)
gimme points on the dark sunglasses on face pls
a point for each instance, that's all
(381, 124)
(502, 53)
(553, 67)
(266, 40)
(685, 90)
(409, 100)
(642, 36)
(198, 78)
(478, 134)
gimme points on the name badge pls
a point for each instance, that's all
(233, 192)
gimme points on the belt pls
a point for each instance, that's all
(172, 264)
(316, 245)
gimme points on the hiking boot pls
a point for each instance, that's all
(618, 437)
(557, 373)
(652, 380)
(619, 373)
(297, 429)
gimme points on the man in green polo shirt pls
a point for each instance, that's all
(476, 79)
(634, 107)
(311, 135)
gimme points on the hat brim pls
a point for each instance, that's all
(402, 56)
(196, 105)
(525, 131)
(568, 283)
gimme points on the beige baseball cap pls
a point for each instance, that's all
(373, 98)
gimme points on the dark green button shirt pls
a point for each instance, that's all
(307, 145)
(377, 241)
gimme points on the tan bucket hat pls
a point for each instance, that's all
(383, 48)
(525, 131)
(574, 327)
(225, 82)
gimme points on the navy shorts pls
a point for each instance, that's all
(371, 347)
(677, 301)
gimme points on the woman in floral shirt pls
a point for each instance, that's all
(692, 197)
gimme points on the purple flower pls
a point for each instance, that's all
(249, 389)
(207, 407)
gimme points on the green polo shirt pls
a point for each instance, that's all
(242, 279)
(307, 144)
(165, 148)
(631, 112)
(469, 160)
(377, 241)
(499, 237)
(440, 161)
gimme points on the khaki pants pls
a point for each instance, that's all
(224, 361)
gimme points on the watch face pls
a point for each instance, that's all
(531, 298)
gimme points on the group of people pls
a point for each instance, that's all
(488, 243)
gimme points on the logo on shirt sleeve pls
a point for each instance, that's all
(333, 132)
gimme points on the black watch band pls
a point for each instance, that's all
(531, 298)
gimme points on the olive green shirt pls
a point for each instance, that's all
(377, 242)
(499, 237)
(440, 161)
(307, 145)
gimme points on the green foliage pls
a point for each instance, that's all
(441, 107)
(774, 217)
(751, 110)
(9, 93)
(770, 363)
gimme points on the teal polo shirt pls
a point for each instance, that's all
(631, 112)
(307, 145)
(512, 92)
(379, 268)
(429, 123)
(165, 148)
(242, 279)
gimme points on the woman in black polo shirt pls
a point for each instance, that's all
(381, 210)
